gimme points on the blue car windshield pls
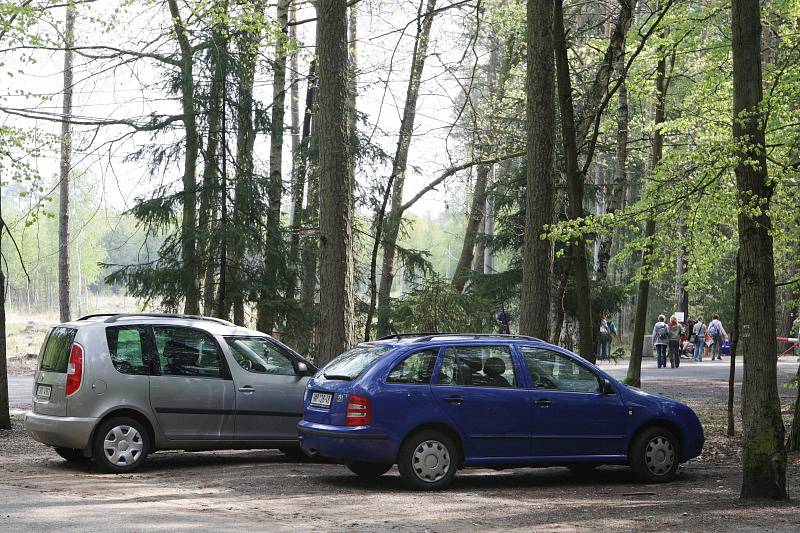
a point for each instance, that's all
(350, 365)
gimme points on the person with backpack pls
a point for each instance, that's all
(660, 341)
(718, 336)
(699, 338)
(674, 342)
(604, 339)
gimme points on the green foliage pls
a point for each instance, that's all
(435, 306)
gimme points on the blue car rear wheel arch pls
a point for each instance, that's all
(443, 428)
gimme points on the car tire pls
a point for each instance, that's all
(655, 455)
(72, 455)
(428, 460)
(121, 445)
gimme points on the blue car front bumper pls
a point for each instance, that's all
(346, 443)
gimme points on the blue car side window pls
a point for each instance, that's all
(416, 369)
(555, 371)
(477, 366)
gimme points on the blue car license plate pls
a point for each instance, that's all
(321, 399)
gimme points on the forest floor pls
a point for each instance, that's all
(263, 489)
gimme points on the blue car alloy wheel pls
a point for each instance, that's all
(435, 403)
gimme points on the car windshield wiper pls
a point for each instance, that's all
(341, 377)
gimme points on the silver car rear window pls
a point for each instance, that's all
(55, 356)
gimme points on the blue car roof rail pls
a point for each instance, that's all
(428, 336)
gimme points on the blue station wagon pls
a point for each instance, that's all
(433, 404)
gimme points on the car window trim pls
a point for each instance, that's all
(440, 362)
(226, 371)
(411, 353)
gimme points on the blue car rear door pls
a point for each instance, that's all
(479, 390)
(571, 415)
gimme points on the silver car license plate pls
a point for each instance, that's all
(43, 391)
(321, 399)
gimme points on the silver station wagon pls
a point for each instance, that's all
(116, 388)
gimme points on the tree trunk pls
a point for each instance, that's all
(634, 375)
(64, 170)
(303, 259)
(274, 260)
(223, 302)
(737, 305)
(294, 116)
(575, 185)
(337, 303)
(244, 187)
(682, 295)
(763, 453)
(471, 232)
(557, 308)
(537, 255)
(793, 441)
(617, 196)
(309, 258)
(397, 179)
(352, 82)
(5, 415)
(488, 231)
(189, 218)
(210, 190)
(300, 162)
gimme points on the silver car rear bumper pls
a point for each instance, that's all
(63, 431)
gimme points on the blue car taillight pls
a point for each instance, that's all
(358, 412)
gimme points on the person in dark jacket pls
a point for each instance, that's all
(674, 342)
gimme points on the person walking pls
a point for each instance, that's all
(699, 338)
(674, 342)
(718, 336)
(660, 341)
(604, 339)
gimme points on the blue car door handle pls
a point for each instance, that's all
(543, 402)
(455, 400)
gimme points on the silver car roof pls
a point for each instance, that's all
(211, 325)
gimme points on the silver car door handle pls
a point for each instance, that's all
(247, 389)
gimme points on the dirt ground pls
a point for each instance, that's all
(178, 491)
(24, 337)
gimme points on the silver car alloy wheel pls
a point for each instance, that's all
(431, 461)
(659, 455)
(123, 445)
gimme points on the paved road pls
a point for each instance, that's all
(19, 387)
(19, 391)
(689, 370)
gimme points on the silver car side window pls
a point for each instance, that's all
(188, 352)
(260, 356)
(126, 346)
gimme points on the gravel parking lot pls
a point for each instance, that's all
(263, 489)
